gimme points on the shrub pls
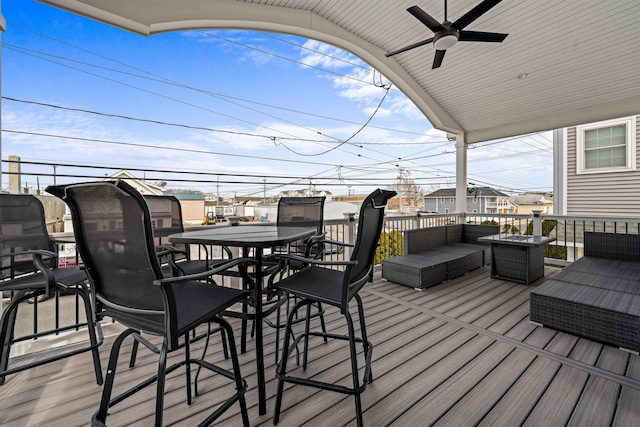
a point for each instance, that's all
(391, 244)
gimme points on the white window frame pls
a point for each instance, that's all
(452, 200)
(630, 123)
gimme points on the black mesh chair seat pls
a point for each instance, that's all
(29, 271)
(196, 302)
(64, 278)
(116, 241)
(319, 284)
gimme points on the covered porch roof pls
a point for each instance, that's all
(563, 63)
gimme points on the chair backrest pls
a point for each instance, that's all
(22, 228)
(301, 212)
(114, 236)
(370, 222)
(166, 219)
(166, 215)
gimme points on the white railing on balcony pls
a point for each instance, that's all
(568, 231)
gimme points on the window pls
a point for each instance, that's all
(608, 146)
(442, 199)
(446, 210)
(452, 200)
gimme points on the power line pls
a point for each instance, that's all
(160, 79)
(273, 138)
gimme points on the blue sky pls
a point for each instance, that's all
(260, 109)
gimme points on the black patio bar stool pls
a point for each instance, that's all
(318, 284)
(29, 272)
(115, 239)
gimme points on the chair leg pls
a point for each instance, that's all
(306, 338)
(91, 327)
(358, 386)
(134, 354)
(354, 368)
(241, 384)
(322, 325)
(162, 367)
(281, 368)
(100, 417)
(225, 346)
(7, 325)
(228, 332)
(187, 365)
(363, 331)
(278, 314)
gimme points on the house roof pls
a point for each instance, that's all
(563, 63)
(187, 196)
(138, 183)
(531, 199)
(481, 192)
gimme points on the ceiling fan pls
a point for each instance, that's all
(448, 34)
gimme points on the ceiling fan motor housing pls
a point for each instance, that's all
(445, 39)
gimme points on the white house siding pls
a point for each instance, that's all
(606, 194)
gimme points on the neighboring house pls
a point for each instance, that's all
(192, 205)
(307, 193)
(528, 202)
(479, 199)
(143, 187)
(595, 169)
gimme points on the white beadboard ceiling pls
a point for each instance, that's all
(581, 57)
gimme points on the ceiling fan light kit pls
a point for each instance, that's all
(445, 40)
(447, 34)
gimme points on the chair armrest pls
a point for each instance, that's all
(338, 243)
(31, 252)
(162, 250)
(282, 257)
(39, 264)
(221, 266)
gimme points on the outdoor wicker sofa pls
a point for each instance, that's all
(435, 254)
(597, 296)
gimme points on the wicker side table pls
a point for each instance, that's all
(517, 258)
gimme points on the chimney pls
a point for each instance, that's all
(14, 175)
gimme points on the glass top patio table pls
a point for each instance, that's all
(247, 237)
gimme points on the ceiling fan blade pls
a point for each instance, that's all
(481, 36)
(437, 59)
(406, 48)
(426, 19)
(474, 14)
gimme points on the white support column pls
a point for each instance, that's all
(461, 174)
(3, 28)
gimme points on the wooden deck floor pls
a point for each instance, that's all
(459, 354)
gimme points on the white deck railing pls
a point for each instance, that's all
(568, 231)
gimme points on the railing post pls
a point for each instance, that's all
(350, 235)
(537, 222)
(416, 222)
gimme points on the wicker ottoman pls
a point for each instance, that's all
(600, 314)
(421, 272)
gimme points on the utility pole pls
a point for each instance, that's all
(401, 172)
(218, 192)
(264, 191)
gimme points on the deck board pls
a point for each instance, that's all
(460, 353)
